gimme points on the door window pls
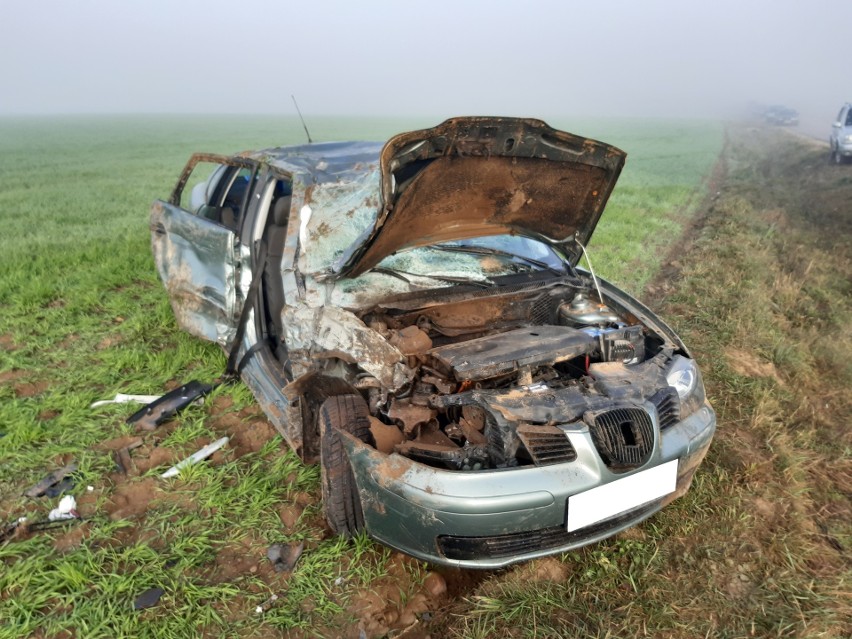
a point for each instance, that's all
(216, 190)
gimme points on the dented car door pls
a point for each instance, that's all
(195, 236)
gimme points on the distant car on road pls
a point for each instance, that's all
(840, 139)
(781, 116)
(417, 323)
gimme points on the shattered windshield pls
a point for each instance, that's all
(473, 262)
(478, 258)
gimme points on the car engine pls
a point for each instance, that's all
(499, 377)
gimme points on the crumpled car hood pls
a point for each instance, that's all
(479, 176)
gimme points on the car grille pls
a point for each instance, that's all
(668, 407)
(514, 544)
(546, 444)
(624, 437)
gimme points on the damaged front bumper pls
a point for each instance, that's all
(493, 518)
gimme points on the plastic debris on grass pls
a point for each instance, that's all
(196, 457)
(122, 398)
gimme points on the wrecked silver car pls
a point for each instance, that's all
(417, 324)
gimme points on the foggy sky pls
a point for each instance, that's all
(432, 57)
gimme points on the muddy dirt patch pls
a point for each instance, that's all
(72, 539)
(250, 437)
(11, 376)
(239, 559)
(247, 428)
(290, 515)
(31, 389)
(750, 365)
(131, 499)
(8, 343)
(147, 458)
(117, 443)
(548, 570)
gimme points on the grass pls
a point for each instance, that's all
(84, 317)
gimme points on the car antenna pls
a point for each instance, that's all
(310, 141)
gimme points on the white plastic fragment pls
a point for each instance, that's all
(196, 457)
(90, 489)
(121, 398)
(67, 509)
(262, 607)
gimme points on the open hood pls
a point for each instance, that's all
(477, 176)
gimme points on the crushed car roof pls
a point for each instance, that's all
(322, 162)
(467, 177)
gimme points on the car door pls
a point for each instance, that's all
(195, 241)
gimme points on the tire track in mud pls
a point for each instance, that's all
(664, 282)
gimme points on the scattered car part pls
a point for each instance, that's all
(11, 528)
(53, 484)
(168, 405)
(196, 457)
(284, 557)
(148, 599)
(23, 525)
(122, 458)
(67, 509)
(266, 604)
(121, 398)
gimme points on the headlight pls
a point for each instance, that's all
(848, 138)
(684, 377)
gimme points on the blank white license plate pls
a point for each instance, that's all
(621, 495)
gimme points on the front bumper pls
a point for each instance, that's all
(489, 519)
(844, 148)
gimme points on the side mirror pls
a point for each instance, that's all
(836, 125)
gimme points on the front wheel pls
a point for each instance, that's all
(340, 499)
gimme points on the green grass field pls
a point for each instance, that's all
(83, 317)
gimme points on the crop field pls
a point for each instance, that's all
(758, 547)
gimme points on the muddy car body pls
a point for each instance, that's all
(422, 330)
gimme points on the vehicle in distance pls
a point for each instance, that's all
(781, 116)
(840, 139)
(423, 331)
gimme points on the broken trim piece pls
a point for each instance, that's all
(167, 406)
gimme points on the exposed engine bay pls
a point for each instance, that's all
(501, 374)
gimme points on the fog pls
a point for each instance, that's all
(536, 58)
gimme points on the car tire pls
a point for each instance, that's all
(341, 504)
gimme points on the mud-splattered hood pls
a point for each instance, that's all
(479, 176)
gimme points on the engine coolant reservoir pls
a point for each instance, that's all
(581, 311)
